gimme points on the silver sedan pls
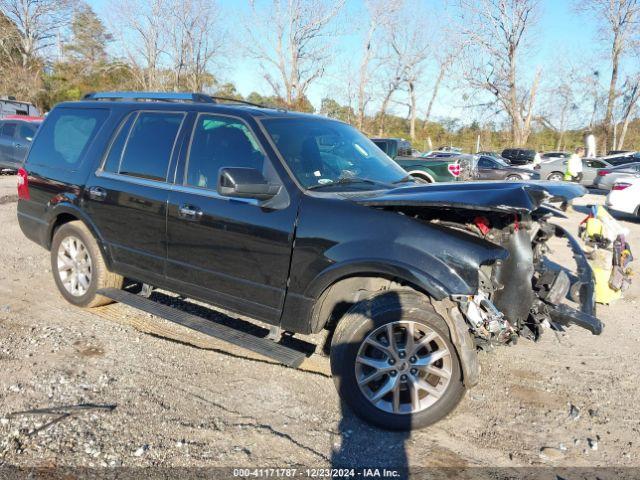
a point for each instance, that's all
(608, 176)
(554, 169)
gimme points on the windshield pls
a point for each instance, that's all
(324, 153)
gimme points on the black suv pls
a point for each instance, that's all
(301, 222)
(519, 156)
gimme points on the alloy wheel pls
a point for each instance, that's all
(74, 266)
(403, 367)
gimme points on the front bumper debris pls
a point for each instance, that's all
(584, 290)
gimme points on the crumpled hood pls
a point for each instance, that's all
(516, 197)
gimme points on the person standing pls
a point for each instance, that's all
(590, 144)
(573, 173)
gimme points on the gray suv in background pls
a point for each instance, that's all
(16, 136)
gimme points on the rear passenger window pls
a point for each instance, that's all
(150, 144)
(65, 135)
(220, 142)
(112, 162)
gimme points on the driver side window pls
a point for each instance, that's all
(485, 163)
(219, 142)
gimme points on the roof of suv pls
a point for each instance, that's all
(237, 109)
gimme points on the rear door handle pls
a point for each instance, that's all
(17, 145)
(97, 193)
(190, 212)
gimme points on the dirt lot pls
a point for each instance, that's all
(174, 404)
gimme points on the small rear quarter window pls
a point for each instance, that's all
(65, 135)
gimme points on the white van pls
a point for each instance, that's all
(11, 106)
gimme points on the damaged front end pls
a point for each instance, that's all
(522, 294)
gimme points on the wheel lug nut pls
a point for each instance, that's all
(391, 361)
(413, 371)
(393, 373)
(413, 359)
(402, 354)
(403, 377)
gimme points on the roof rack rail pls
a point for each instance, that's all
(166, 97)
(153, 96)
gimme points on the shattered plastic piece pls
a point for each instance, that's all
(593, 443)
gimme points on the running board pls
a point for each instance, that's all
(268, 348)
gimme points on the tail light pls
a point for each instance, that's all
(620, 186)
(23, 184)
(602, 173)
(454, 169)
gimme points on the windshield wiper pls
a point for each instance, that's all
(348, 181)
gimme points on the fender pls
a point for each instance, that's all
(298, 308)
(65, 207)
(420, 173)
(378, 267)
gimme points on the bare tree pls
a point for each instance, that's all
(290, 40)
(38, 23)
(407, 52)
(381, 14)
(195, 40)
(619, 20)
(142, 33)
(496, 31)
(630, 98)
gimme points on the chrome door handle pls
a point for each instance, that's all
(190, 212)
(97, 193)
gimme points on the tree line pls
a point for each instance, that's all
(402, 57)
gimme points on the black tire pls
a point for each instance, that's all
(513, 178)
(555, 177)
(352, 330)
(100, 276)
(422, 178)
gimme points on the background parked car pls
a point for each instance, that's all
(519, 156)
(16, 135)
(607, 177)
(621, 158)
(554, 155)
(432, 167)
(554, 170)
(493, 168)
(625, 196)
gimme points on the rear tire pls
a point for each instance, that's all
(423, 381)
(555, 177)
(422, 179)
(513, 178)
(78, 266)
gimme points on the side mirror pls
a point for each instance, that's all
(245, 183)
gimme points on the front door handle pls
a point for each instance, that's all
(190, 212)
(18, 146)
(97, 193)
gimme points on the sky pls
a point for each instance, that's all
(560, 35)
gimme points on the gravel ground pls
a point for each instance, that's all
(568, 400)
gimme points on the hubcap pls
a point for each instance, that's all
(403, 367)
(74, 266)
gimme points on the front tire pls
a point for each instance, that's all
(513, 178)
(78, 266)
(394, 364)
(555, 177)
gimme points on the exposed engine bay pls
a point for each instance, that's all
(524, 293)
